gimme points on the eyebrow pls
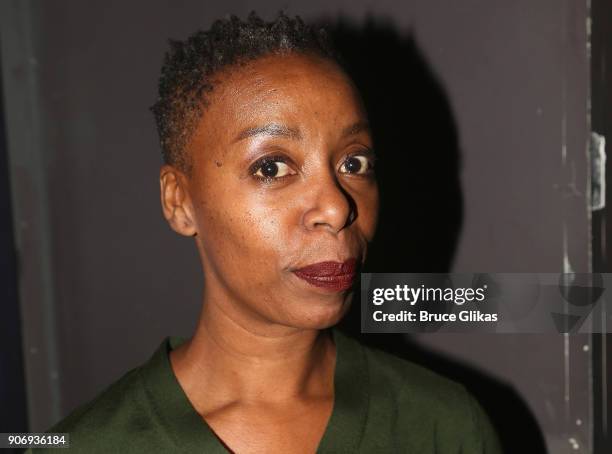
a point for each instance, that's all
(355, 128)
(272, 129)
(278, 130)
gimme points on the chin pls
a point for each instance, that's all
(322, 317)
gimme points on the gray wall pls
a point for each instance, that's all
(104, 279)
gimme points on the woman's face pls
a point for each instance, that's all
(282, 179)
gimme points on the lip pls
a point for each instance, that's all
(336, 276)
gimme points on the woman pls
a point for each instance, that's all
(269, 165)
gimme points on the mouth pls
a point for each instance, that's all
(335, 276)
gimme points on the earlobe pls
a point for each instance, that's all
(175, 201)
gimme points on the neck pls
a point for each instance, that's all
(228, 361)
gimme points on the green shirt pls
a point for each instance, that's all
(382, 404)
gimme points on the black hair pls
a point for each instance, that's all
(188, 67)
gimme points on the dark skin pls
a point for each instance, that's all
(270, 388)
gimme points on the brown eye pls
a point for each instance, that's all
(271, 168)
(356, 164)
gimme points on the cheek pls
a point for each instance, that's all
(267, 225)
(244, 228)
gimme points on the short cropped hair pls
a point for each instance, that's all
(189, 65)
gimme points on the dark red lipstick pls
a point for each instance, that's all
(336, 276)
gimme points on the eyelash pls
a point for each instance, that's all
(263, 161)
(257, 165)
(369, 155)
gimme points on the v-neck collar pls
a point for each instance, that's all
(190, 432)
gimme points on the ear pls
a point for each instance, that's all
(175, 201)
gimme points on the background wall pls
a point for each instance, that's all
(489, 100)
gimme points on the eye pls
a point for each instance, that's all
(270, 168)
(357, 164)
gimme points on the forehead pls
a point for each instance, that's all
(301, 91)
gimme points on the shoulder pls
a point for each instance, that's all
(400, 376)
(413, 381)
(108, 408)
(428, 403)
(121, 418)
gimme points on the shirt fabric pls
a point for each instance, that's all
(382, 404)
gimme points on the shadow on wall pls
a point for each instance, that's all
(421, 207)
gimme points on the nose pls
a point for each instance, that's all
(332, 208)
